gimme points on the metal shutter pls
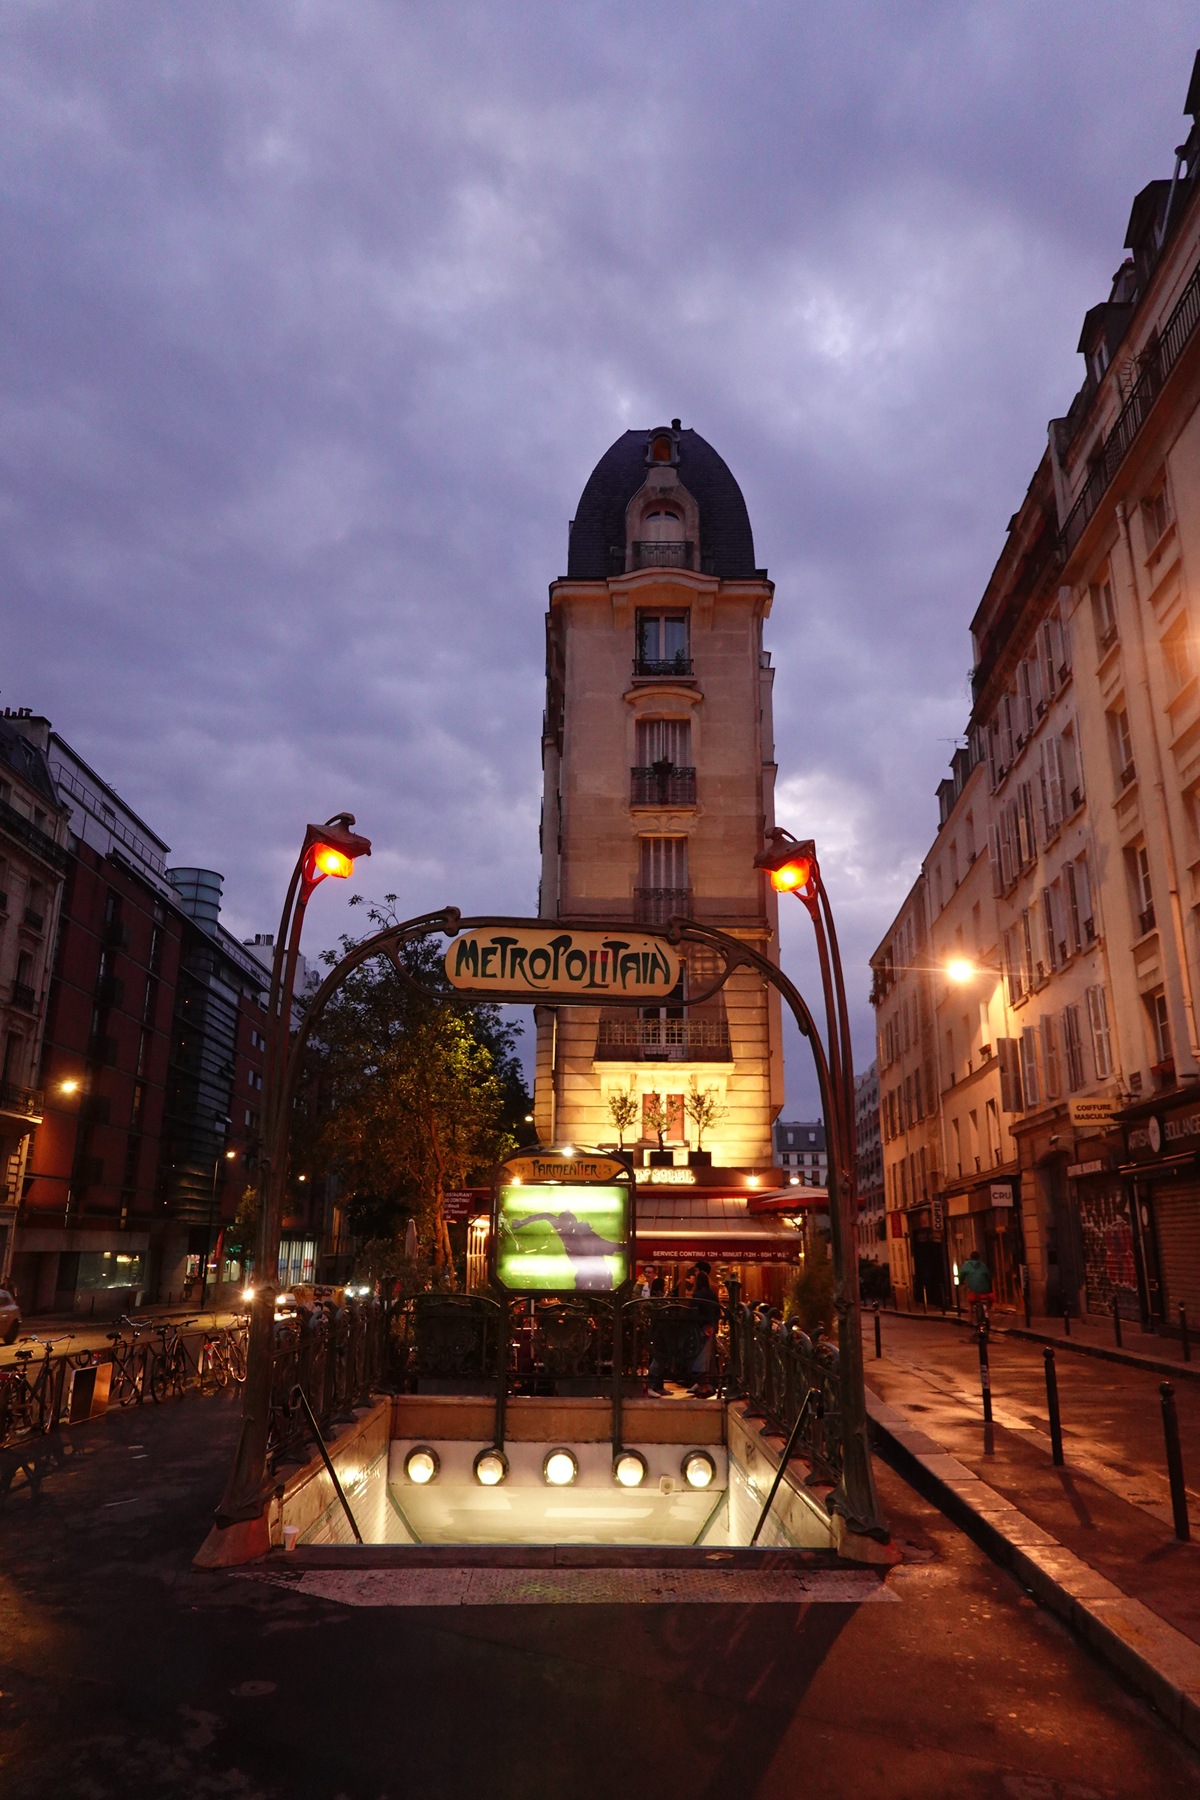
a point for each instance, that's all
(1177, 1227)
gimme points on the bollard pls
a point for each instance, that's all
(1116, 1312)
(878, 1337)
(985, 1374)
(958, 1298)
(1184, 1340)
(1056, 1449)
(1026, 1296)
(1183, 1529)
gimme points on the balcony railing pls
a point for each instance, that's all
(1146, 920)
(662, 667)
(663, 556)
(662, 784)
(24, 997)
(663, 1040)
(657, 906)
(32, 837)
(21, 1102)
(34, 920)
(1158, 365)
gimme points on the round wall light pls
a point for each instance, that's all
(560, 1467)
(491, 1467)
(629, 1468)
(698, 1469)
(421, 1465)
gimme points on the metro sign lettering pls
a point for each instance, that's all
(549, 963)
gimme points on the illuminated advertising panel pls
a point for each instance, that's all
(563, 1236)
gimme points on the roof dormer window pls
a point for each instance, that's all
(662, 526)
(662, 450)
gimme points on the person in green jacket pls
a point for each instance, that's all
(976, 1277)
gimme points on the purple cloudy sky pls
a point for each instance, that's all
(316, 317)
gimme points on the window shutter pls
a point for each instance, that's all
(1048, 927)
(1024, 703)
(1074, 917)
(993, 767)
(1028, 823)
(1101, 1041)
(1046, 638)
(1006, 731)
(1006, 855)
(994, 859)
(1029, 1066)
(1054, 767)
(1011, 1099)
(1078, 742)
(1050, 1057)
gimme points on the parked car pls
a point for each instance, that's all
(10, 1316)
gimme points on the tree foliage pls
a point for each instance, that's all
(624, 1110)
(703, 1107)
(415, 1095)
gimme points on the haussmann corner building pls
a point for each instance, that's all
(1056, 1089)
(659, 770)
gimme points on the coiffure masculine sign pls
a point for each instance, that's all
(550, 963)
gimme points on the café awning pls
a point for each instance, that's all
(674, 1227)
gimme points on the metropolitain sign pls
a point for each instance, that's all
(549, 963)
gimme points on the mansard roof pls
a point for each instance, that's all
(597, 543)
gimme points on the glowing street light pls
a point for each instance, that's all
(960, 970)
(330, 849)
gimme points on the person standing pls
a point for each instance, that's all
(707, 1307)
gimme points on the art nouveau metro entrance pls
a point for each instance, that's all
(523, 1417)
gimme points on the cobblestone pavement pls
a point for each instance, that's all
(124, 1672)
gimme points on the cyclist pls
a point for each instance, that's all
(976, 1277)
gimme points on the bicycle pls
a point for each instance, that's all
(169, 1370)
(131, 1360)
(27, 1406)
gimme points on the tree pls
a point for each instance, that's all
(416, 1093)
(623, 1110)
(703, 1107)
(656, 1118)
(810, 1295)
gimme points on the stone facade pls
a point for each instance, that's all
(659, 769)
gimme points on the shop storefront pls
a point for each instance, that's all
(762, 1248)
(1110, 1271)
(1162, 1188)
(985, 1219)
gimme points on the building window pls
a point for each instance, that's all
(1138, 864)
(1050, 1065)
(1156, 514)
(662, 879)
(1177, 660)
(1160, 1026)
(1104, 612)
(1121, 745)
(663, 644)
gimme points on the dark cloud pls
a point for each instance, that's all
(314, 319)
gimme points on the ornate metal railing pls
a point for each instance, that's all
(659, 784)
(663, 665)
(22, 1102)
(648, 555)
(684, 1040)
(336, 1356)
(1155, 369)
(773, 1363)
(658, 906)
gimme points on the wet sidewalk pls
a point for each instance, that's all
(1090, 1336)
(1108, 1506)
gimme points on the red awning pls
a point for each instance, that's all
(675, 1227)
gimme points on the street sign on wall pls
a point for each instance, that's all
(550, 963)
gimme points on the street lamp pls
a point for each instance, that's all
(793, 867)
(212, 1207)
(241, 1522)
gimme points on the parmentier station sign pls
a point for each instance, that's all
(550, 963)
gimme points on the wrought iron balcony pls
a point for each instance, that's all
(1146, 920)
(662, 667)
(24, 997)
(34, 920)
(663, 556)
(21, 1102)
(662, 784)
(663, 1040)
(31, 837)
(657, 906)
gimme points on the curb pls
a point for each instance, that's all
(1159, 1662)
(1153, 1365)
